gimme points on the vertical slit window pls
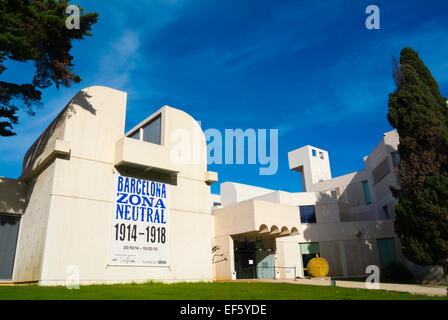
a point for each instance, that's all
(386, 212)
(365, 186)
(395, 158)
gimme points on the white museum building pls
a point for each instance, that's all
(118, 208)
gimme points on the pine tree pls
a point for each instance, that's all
(420, 114)
(33, 30)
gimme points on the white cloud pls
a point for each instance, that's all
(119, 61)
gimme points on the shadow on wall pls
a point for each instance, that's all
(359, 248)
(361, 230)
(353, 196)
(428, 275)
(81, 100)
(9, 220)
(328, 211)
(218, 255)
(13, 196)
(138, 173)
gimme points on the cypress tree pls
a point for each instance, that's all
(419, 112)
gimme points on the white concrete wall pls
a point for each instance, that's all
(313, 168)
(288, 256)
(68, 218)
(253, 216)
(215, 201)
(232, 193)
(223, 258)
(33, 228)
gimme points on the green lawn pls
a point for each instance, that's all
(202, 291)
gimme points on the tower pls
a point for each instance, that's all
(313, 165)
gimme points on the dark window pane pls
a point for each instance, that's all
(365, 186)
(308, 214)
(9, 229)
(151, 131)
(386, 212)
(135, 135)
(396, 158)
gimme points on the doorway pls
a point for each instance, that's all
(9, 231)
(265, 264)
(308, 251)
(254, 258)
(386, 252)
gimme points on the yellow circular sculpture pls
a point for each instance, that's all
(318, 267)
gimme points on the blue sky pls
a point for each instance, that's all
(308, 68)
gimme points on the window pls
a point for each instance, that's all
(314, 152)
(321, 155)
(365, 186)
(395, 158)
(150, 132)
(386, 212)
(307, 214)
(135, 135)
